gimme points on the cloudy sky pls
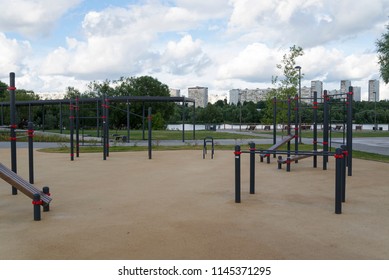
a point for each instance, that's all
(221, 44)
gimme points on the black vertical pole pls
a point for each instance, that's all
(29, 112)
(237, 173)
(104, 130)
(60, 118)
(350, 131)
(143, 121)
(30, 132)
(12, 90)
(77, 108)
(252, 167)
(71, 127)
(46, 191)
(315, 104)
(183, 121)
(2, 114)
(128, 121)
(36, 201)
(338, 181)
(43, 117)
(274, 122)
(325, 130)
(289, 117)
(296, 125)
(343, 173)
(107, 124)
(149, 134)
(97, 118)
(194, 120)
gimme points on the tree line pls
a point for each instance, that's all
(171, 113)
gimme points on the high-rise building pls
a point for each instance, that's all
(357, 94)
(374, 90)
(200, 95)
(242, 95)
(175, 92)
(318, 87)
(344, 86)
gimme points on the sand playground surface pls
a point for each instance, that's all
(181, 206)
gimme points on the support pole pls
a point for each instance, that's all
(237, 173)
(77, 111)
(296, 125)
(128, 121)
(274, 123)
(46, 191)
(104, 119)
(31, 152)
(149, 134)
(343, 174)
(183, 120)
(252, 168)
(338, 181)
(37, 202)
(350, 131)
(325, 129)
(315, 104)
(71, 121)
(12, 90)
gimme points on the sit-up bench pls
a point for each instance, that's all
(40, 198)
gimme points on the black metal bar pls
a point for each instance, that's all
(12, 96)
(315, 128)
(338, 181)
(237, 173)
(296, 124)
(252, 168)
(183, 121)
(71, 124)
(343, 174)
(350, 131)
(128, 121)
(274, 120)
(30, 132)
(104, 131)
(143, 121)
(325, 129)
(37, 206)
(46, 191)
(77, 111)
(149, 134)
(60, 119)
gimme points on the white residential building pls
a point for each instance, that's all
(200, 95)
(242, 95)
(175, 92)
(374, 90)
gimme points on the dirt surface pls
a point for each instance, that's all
(180, 206)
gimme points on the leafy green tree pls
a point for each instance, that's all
(382, 45)
(285, 86)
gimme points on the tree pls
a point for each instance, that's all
(383, 55)
(287, 86)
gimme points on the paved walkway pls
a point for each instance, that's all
(378, 145)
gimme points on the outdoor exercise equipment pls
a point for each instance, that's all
(208, 139)
(340, 172)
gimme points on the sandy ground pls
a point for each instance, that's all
(180, 206)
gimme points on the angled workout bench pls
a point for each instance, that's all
(40, 198)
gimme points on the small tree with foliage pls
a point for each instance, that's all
(383, 55)
(284, 87)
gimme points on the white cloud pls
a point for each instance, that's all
(184, 57)
(32, 18)
(256, 63)
(13, 54)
